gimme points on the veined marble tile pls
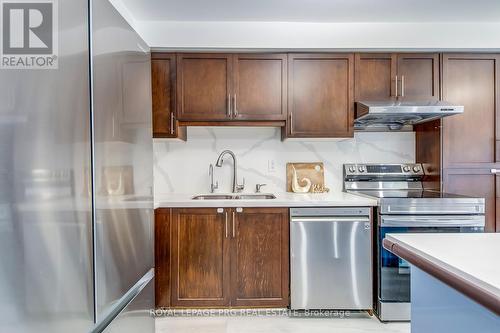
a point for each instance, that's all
(182, 167)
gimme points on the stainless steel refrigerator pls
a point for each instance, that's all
(76, 209)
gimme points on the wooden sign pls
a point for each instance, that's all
(315, 172)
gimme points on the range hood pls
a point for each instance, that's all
(395, 114)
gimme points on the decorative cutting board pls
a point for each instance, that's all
(315, 172)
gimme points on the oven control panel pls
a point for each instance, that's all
(404, 169)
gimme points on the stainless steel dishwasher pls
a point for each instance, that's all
(331, 258)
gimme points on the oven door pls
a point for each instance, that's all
(393, 272)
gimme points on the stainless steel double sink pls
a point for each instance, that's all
(234, 197)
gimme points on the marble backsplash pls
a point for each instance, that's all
(182, 167)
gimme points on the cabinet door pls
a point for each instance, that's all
(259, 87)
(162, 257)
(200, 257)
(259, 257)
(470, 139)
(375, 76)
(203, 87)
(320, 95)
(418, 75)
(163, 90)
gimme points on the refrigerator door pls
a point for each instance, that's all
(123, 165)
(46, 277)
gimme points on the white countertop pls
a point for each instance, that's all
(282, 200)
(471, 256)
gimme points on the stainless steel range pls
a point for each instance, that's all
(405, 206)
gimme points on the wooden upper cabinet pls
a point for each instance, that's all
(418, 75)
(375, 76)
(259, 257)
(200, 257)
(260, 82)
(470, 140)
(320, 95)
(470, 80)
(231, 87)
(204, 87)
(382, 76)
(163, 97)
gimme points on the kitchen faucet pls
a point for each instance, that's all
(220, 160)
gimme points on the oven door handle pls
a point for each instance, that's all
(431, 221)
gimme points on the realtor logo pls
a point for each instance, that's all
(29, 34)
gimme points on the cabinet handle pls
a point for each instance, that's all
(396, 86)
(291, 123)
(234, 224)
(225, 225)
(402, 85)
(171, 123)
(235, 109)
(229, 105)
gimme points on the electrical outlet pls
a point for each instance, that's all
(271, 166)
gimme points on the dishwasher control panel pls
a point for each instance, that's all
(330, 211)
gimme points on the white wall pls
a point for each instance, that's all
(302, 35)
(182, 167)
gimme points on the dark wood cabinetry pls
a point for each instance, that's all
(320, 95)
(231, 87)
(310, 95)
(204, 86)
(375, 76)
(259, 87)
(410, 76)
(200, 257)
(418, 75)
(163, 97)
(162, 257)
(428, 152)
(219, 257)
(470, 140)
(259, 257)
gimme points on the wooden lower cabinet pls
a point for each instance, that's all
(221, 257)
(200, 258)
(259, 257)
(162, 257)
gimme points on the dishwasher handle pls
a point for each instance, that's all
(331, 219)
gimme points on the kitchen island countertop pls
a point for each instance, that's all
(468, 262)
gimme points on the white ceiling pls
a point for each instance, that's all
(315, 10)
